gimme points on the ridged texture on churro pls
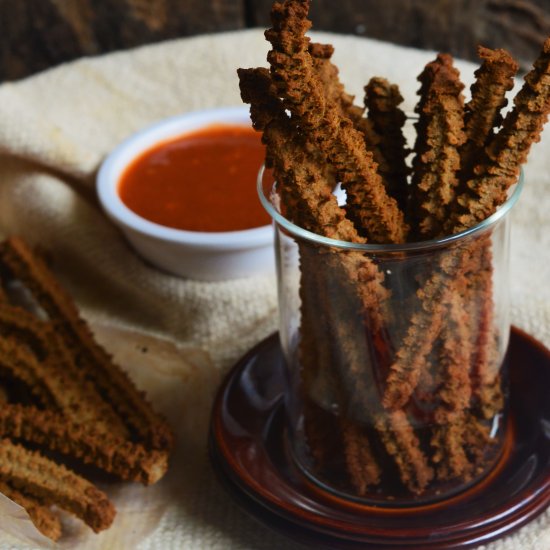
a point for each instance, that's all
(127, 460)
(303, 184)
(45, 519)
(336, 95)
(382, 100)
(439, 136)
(54, 484)
(403, 446)
(36, 355)
(92, 361)
(364, 470)
(372, 210)
(455, 391)
(508, 149)
(482, 114)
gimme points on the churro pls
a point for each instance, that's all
(91, 359)
(53, 483)
(35, 354)
(52, 430)
(45, 519)
(375, 214)
(440, 134)
(508, 149)
(382, 100)
(482, 114)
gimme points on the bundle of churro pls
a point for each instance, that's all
(63, 397)
(399, 356)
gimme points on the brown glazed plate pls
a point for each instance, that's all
(249, 452)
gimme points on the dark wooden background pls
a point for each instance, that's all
(37, 34)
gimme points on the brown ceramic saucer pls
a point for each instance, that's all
(248, 450)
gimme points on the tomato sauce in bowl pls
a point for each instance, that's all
(200, 181)
(183, 193)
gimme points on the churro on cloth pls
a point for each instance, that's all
(175, 337)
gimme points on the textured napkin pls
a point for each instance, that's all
(56, 127)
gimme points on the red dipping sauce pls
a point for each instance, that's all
(200, 181)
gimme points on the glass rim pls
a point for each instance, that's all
(390, 247)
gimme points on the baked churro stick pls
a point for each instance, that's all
(424, 328)
(404, 447)
(362, 466)
(486, 383)
(482, 114)
(450, 444)
(44, 519)
(308, 202)
(336, 95)
(21, 364)
(455, 392)
(322, 382)
(299, 174)
(294, 74)
(129, 461)
(34, 354)
(382, 100)
(505, 153)
(91, 359)
(333, 89)
(39, 477)
(439, 137)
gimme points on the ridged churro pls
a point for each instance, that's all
(51, 430)
(382, 101)
(440, 134)
(45, 519)
(483, 113)
(508, 149)
(37, 356)
(375, 214)
(40, 477)
(91, 359)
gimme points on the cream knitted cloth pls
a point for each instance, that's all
(56, 127)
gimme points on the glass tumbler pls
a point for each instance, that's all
(395, 356)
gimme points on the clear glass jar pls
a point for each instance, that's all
(396, 358)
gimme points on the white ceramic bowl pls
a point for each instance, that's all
(206, 256)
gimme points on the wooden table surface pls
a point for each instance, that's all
(37, 34)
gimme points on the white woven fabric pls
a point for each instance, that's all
(56, 127)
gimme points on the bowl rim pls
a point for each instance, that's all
(114, 164)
